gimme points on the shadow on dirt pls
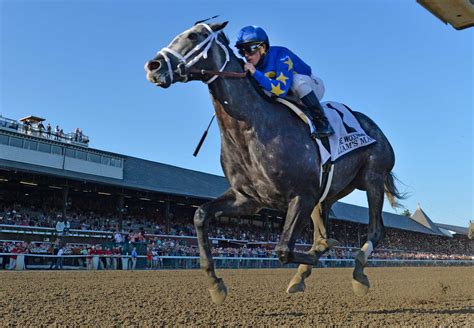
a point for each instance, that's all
(422, 311)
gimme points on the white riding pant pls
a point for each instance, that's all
(304, 84)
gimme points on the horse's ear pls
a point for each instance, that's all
(218, 26)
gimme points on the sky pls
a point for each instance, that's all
(80, 64)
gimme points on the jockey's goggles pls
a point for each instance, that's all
(249, 49)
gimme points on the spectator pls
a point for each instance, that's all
(60, 226)
(67, 227)
(108, 258)
(40, 129)
(59, 259)
(58, 132)
(134, 258)
(76, 135)
(84, 253)
(14, 250)
(100, 253)
(155, 258)
(149, 258)
(118, 238)
(53, 251)
(90, 255)
(48, 131)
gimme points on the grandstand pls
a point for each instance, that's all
(56, 191)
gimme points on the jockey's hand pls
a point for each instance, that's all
(249, 68)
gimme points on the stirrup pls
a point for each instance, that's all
(318, 134)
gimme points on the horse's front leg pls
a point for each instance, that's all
(321, 244)
(229, 204)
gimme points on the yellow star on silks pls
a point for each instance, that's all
(289, 63)
(270, 74)
(276, 89)
(282, 78)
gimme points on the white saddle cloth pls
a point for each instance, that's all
(348, 134)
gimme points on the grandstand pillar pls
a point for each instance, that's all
(358, 235)
(167, 216)
(267, 225)
(65, 196)
(120, 210)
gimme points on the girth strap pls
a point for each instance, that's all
(326, 169)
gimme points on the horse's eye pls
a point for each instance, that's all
(193, 36)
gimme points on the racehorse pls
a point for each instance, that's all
(270, 160)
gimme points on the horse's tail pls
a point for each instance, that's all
(391, 190)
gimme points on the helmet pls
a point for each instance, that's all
(252, 34)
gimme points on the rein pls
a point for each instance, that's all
(219, 73)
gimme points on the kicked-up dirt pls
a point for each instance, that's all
(403, 296)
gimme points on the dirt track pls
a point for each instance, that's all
(399, 296)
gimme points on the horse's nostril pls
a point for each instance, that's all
(153, 65)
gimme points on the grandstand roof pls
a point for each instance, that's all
(144, 175)
(458, 13)
(163, 178)
(359, 214)
(422, 218)
(456, 229)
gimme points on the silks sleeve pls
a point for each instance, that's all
(283, 78)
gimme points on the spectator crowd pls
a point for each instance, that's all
(230, 240)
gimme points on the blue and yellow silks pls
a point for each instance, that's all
(276, 69)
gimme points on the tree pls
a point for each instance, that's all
(406, 212)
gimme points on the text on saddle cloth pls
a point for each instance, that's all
(348, 134)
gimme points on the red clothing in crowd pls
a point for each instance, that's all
(15, 250)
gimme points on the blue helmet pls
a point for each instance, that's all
(252, 34)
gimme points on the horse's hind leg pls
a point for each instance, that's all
(229, 204)
(375, 196)
(299, 210)
(320, 246)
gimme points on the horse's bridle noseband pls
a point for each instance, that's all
(184, 64)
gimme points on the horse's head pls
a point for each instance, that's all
(188, 51)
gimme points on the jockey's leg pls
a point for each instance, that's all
(310, 90)
(323, 128)
(229, 204)
(320, 246)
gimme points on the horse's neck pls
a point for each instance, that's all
(235, 100)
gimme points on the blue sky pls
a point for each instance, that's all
(80, 64)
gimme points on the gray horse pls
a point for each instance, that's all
(270, 160)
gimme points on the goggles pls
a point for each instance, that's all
(249, 49)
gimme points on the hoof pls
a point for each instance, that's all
(284, 256)
(361, 288)
(331, 243)
(218, 292)
(295, 287)
(323, 245)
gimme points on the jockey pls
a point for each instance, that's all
(278, 70)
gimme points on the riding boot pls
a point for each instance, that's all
(323, 128)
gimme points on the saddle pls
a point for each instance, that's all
(349, 135)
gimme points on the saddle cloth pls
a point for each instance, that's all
(348, 134)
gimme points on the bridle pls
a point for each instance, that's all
(185, 63)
